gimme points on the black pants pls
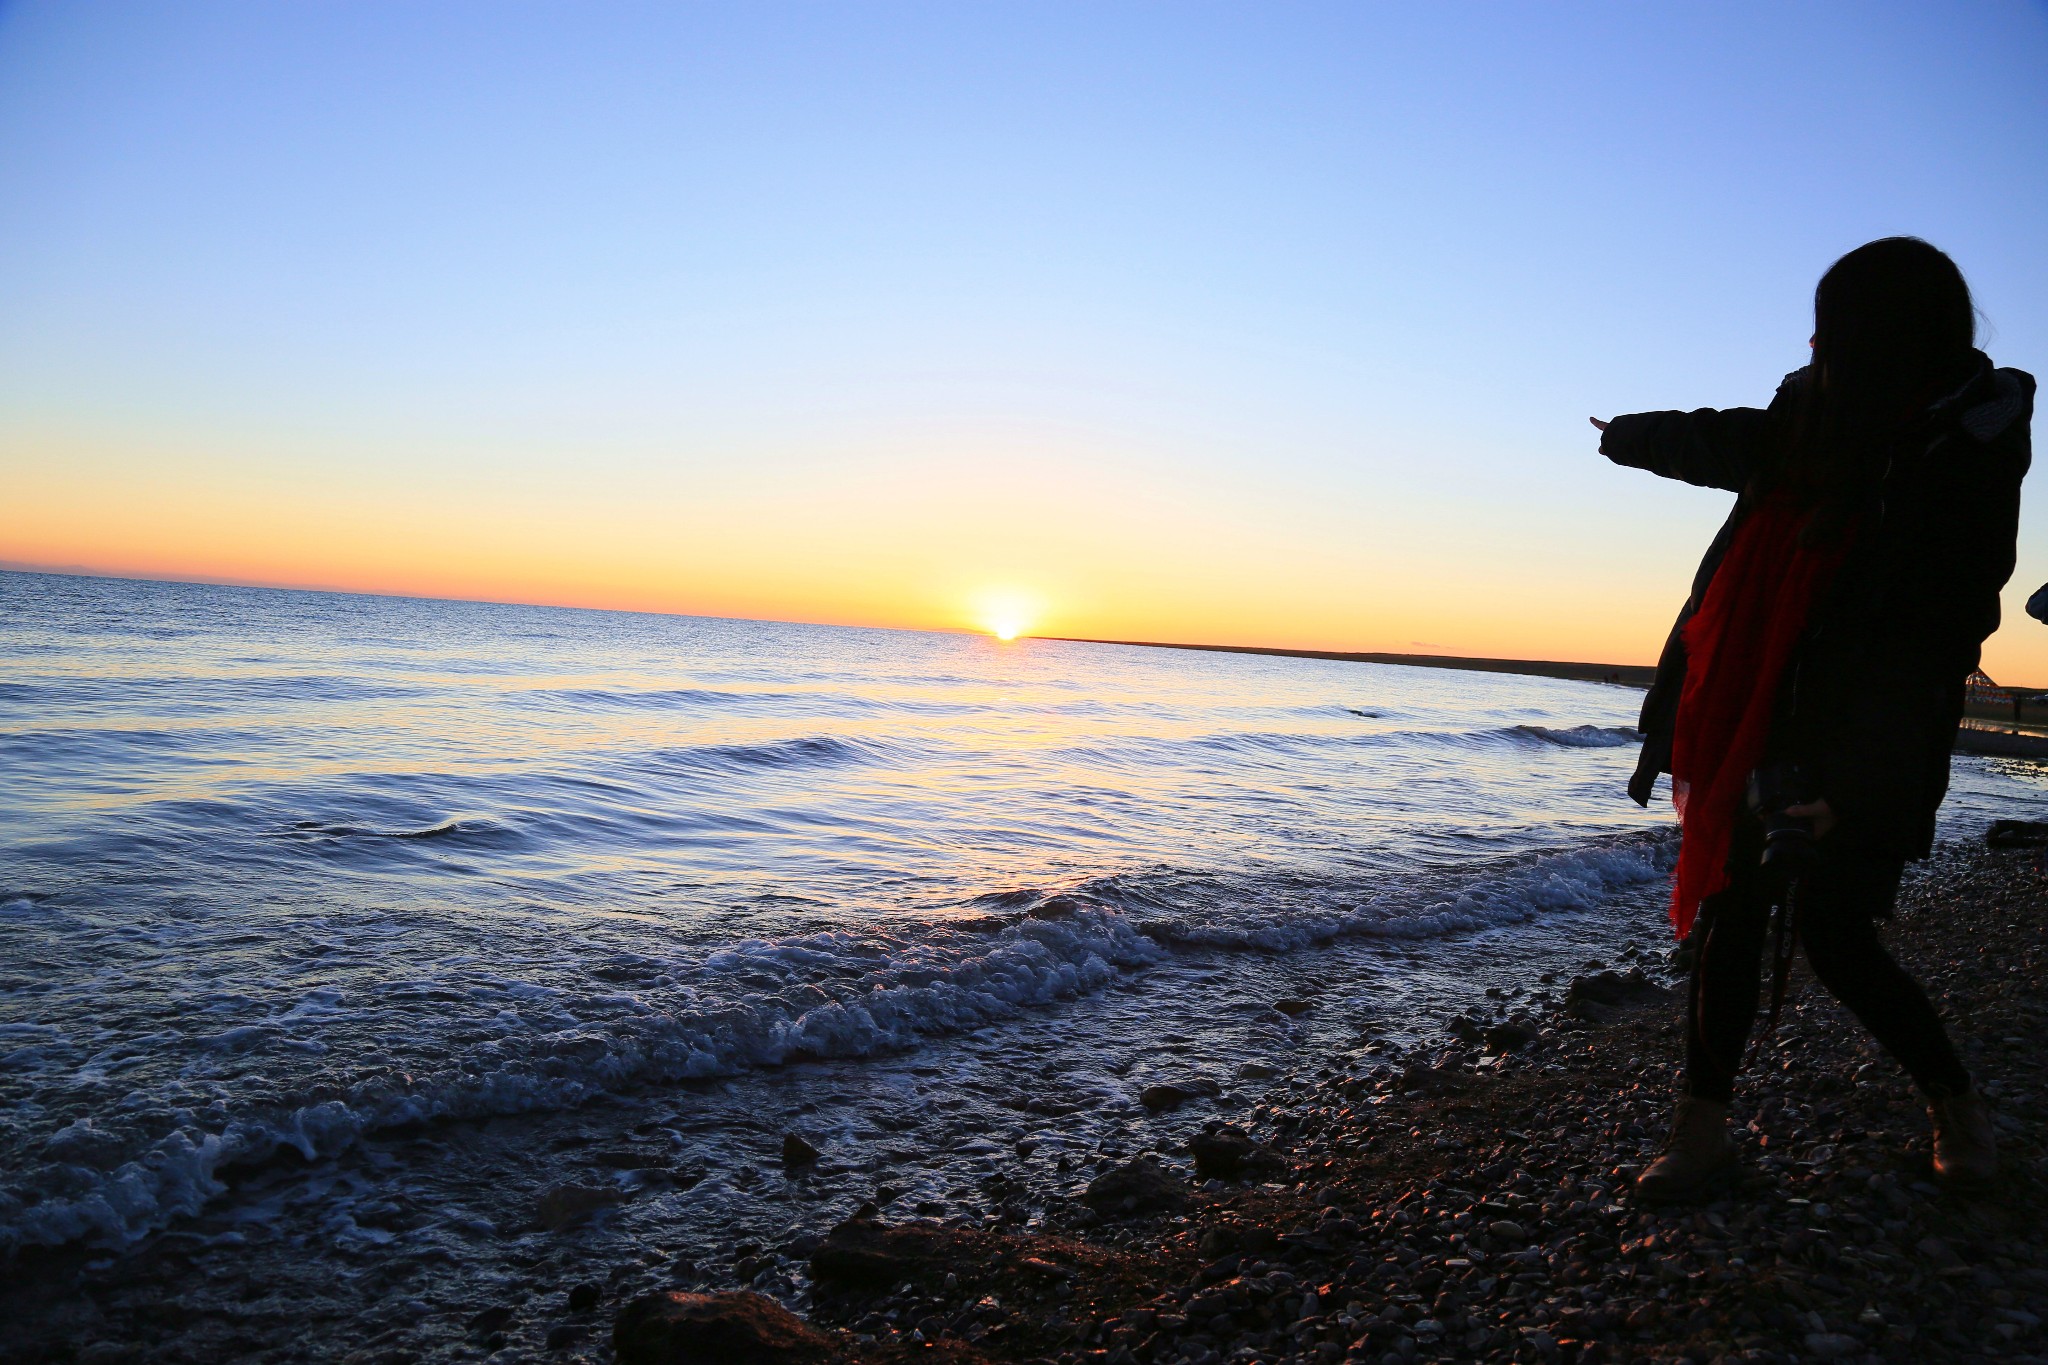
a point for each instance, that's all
(1837, 904)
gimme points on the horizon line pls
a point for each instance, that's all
(1625, 675)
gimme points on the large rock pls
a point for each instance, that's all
(1228, 1153)
(861, 1251)
(1435, 1080)
(1136, 1187)
(716, 1329)
(1596, 995)
(1172, 1095)
(1509, 1036)
(2017, 834)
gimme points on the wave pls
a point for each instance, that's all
(199, 695)
(1511, 891)
(1292, 742)
(828, 701)
(809, 751)
(631, 699)
(1580, 736)
(892, 1005)
(478, 827)
(765, 1003)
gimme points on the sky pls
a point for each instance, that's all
(1257, 323)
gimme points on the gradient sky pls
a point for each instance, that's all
(1255, 323)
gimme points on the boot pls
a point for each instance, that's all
(1965, 1146)
(1698, 1150)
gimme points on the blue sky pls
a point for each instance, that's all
(1224, 319)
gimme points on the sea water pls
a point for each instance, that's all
(401, 889)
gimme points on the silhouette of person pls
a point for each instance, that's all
(1815, 677)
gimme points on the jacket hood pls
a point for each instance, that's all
(1989, 402)
(2012, 400)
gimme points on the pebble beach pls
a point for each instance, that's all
(1473, 1204)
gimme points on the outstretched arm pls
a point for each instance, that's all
(1710, 447)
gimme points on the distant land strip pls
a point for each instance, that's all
(1628, 675)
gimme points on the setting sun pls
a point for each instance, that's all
(1006, 615)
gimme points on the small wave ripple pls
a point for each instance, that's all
(1501, 737)
(478, 827)
(802, 752)
(1580, 736)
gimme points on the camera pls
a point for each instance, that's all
(1788, 839)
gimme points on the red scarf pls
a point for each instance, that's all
(1737, 645)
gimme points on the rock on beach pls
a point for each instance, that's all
(1227, 1152)
(862, 1250)
(716, 1329)
(1172, 1095)
(1143, 1185)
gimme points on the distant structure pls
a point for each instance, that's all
(1983, 697)
(1980, 688)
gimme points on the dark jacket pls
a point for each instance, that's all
(1870, 702)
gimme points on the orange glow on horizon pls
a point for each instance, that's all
(2010, 660)
(1075, 550)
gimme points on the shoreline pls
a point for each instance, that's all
(1471, 1202)
(1464, 1197)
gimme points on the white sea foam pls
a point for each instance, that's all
(1575, 879)
(828, 995)
(898, 1001)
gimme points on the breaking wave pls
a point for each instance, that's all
(1580, 736)
(763, 1003)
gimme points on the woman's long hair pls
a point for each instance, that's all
(1893, 330)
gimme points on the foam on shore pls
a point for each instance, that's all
(757, 1004)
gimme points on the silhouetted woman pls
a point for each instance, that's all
(1814, 679)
